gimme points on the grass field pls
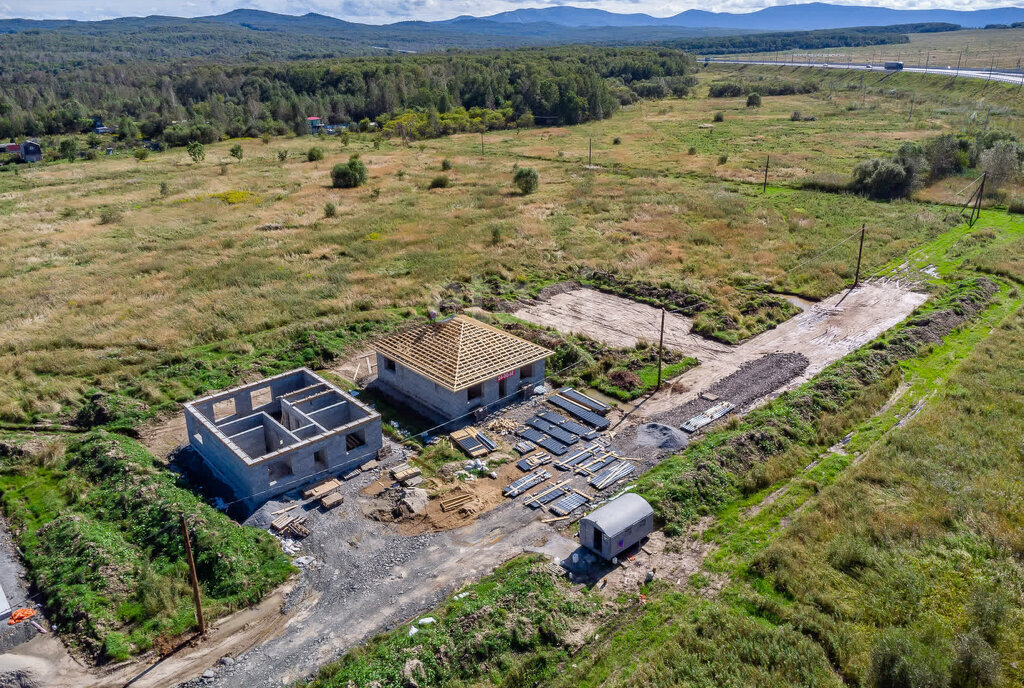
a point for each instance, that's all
(977, 49)
(115, 270)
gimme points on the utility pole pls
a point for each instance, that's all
(958, 58)
(911, 106)
(977, 203)
(193, 576)
(590, 153)
(863, 93)
(661, 343)
(764, 189)
(860, 252)
(481, 143)
(988, 113)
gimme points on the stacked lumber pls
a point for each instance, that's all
(321, 489)
(332, 500)
(405, 473)
(453, 502)
(290, 525)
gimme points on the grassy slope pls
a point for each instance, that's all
(98, 525)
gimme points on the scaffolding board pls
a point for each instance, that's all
(578, 411)
(518, 487)
(707, 417)
(563, 436)
(585, 401)
(569, 503)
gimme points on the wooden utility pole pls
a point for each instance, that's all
(958, 58)
(481, 143)
(976, 210)
(911, 106)
(764, 189)
(863, 93)
(860, 252)
(661, 343)
(193, 576)
(590, 152)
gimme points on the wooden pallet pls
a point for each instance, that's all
(297, 529)
(332, 500)
(322, 489)
(404, 472)
(455, 501)
(282, 522)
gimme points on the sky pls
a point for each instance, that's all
(387, 11)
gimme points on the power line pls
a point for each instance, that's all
(828, 250)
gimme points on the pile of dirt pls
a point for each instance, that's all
(661, 436)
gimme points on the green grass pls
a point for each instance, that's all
(98, 525)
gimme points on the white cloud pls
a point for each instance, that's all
(386, 11)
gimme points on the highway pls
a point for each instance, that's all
(1016, 78)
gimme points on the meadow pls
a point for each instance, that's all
(976, 49)
(117, 269)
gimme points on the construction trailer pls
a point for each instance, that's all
(271, 436)
(617, 526)
(448, 370)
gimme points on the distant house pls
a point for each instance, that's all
(315, 124)
(29, 151)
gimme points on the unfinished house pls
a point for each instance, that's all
(447, 370)
(271, 436)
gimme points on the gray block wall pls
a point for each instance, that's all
(440, 404)
(258, 457)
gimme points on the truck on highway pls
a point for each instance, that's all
(893, 66)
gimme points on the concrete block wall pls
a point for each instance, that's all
(440, 404)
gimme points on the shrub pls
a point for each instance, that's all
(330, 210)
(726, 90)
(692, 150)
(345, 139)
(754, 100)
(282, 155)
(110, 215)
(265, 138)
(196, 151)
(441, 181)
(796, 116)
(165, 189)
(526, 179)
(976, 664)
(314, 154)
(140, 154)
(898, 661)
(1001, 162)
(236, 151)
(348, 175)
(880, 178)
(223, 169)
(446, 164)
(719, 117)
(69, 149)
(1016, 205)
(616, 141)
(723, 158)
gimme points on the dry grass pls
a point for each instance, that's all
(220, 257)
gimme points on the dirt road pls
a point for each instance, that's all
(824, 332)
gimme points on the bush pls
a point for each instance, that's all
(196, 151)
(880, 178)
(236, 151)
(526, 179)
(754, 100)
(68, 149)
(899, 661)
(330, 210)
(314, 154)
(692, 150)
(110, 215)
(441, 181)
(719, 117)
(796, 116)
(976, 663)
(282, 155)
(725, 91)
(1016, 205)
(446, 164)
(348, 175)
(616, 141)
(165, 189)
(140, 154)
(723, 158)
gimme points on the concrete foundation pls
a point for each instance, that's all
(280, 433)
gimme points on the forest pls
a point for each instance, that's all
(807, 40)
(208, 101)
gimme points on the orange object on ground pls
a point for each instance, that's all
(19, 615)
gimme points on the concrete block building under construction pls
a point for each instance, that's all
(271, 436)
(450, 369)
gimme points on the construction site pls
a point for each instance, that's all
(384, 534)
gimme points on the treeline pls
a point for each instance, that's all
(807, 40)
(206, 102)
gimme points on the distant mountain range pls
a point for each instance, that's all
(246, 33)
(802, 17)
